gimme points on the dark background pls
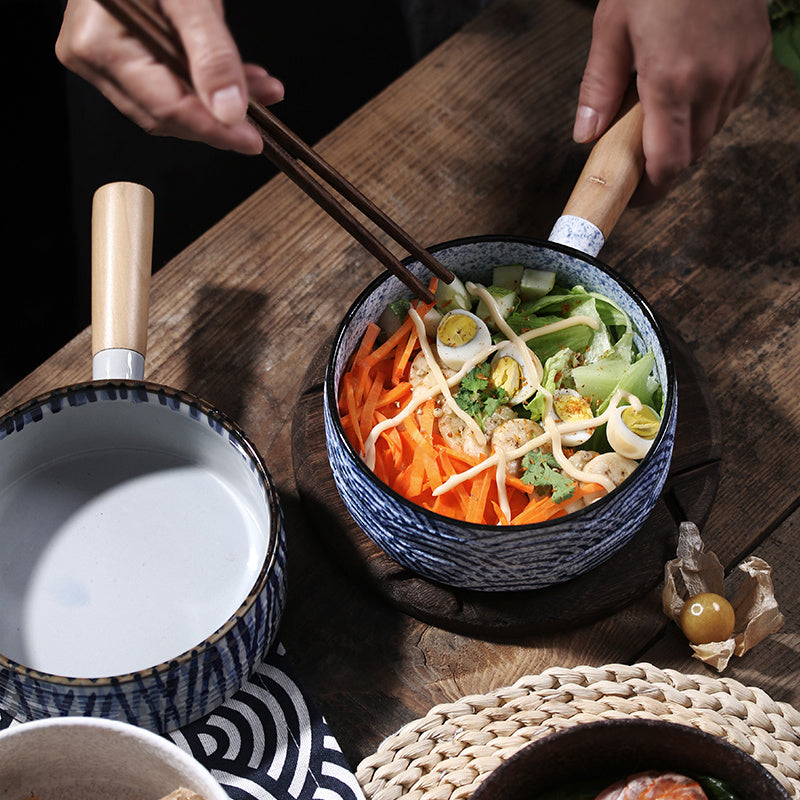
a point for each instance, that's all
(62, 140)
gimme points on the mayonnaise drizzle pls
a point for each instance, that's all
(500, 481)
(531, 363)
(552, 435)
(441, 381)
(549, 424)
(420, 397)
(552, 327)
(531, 366)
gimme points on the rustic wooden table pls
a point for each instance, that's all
(477, 139)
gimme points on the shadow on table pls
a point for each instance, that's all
(223, 352)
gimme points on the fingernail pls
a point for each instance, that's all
(279, 88)
(585, 124)
(227, 105)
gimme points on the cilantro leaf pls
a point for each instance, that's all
(477, 396)
(541, 471)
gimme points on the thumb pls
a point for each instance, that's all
(217, 72)
(605, 79)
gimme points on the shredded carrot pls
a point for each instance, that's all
(352, 408)
(538, 509)
(501, 517)
(394, 443)
(412, 457)
(476, 509)
(367, 342)
(427, 419)
(403, 357)
(398, 393)
(369, 405)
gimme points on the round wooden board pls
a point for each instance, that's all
(628, 575)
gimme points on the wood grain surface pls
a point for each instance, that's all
(477, 139)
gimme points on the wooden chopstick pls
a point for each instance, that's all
(285, 149)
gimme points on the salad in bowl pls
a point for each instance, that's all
(513, 434)
(506, 404)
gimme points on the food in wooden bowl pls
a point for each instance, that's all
(635, 759)
(514, 436)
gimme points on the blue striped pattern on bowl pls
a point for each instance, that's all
(186, 688)
(500, 558)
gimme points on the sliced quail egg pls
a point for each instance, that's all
(510, 371)
(461, 336)
(630, 432)
(570, 406)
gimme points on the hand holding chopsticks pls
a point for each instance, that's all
(288, 152)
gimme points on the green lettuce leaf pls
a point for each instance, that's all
(636, 379)
(598, 381)
(557, 374)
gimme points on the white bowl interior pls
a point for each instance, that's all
(93, 759)
(129, 533)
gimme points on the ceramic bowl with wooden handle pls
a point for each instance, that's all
(142, 547)
(529, 556)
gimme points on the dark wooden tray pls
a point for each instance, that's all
(627, 576)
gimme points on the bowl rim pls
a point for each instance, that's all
(583, 729)
(118, 391)
(162, 746)
(598, 505)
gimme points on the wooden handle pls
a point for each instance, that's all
(122, 249)
(612, 172)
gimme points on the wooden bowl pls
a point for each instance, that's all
(596, 754)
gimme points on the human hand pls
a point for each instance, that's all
(95, 46)
(694, 62)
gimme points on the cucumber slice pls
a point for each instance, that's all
(508, 276)
(506, 301)
(431, 322)
(393, 316)
(536, 283)
(451, 296)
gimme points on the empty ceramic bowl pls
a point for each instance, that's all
(500, 557)
(94, 759)
(142, 556)
(581, 761)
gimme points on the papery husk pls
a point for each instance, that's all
(696, 570)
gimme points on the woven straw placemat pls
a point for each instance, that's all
(446, 754)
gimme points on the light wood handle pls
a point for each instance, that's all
(612, 171)
(122, 250)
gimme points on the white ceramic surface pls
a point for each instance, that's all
(130, 533)
(118, 362)
(93, 759)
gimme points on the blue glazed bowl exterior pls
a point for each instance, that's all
(500, 558)
(172, 694)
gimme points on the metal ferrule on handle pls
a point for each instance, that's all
(608, 180)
